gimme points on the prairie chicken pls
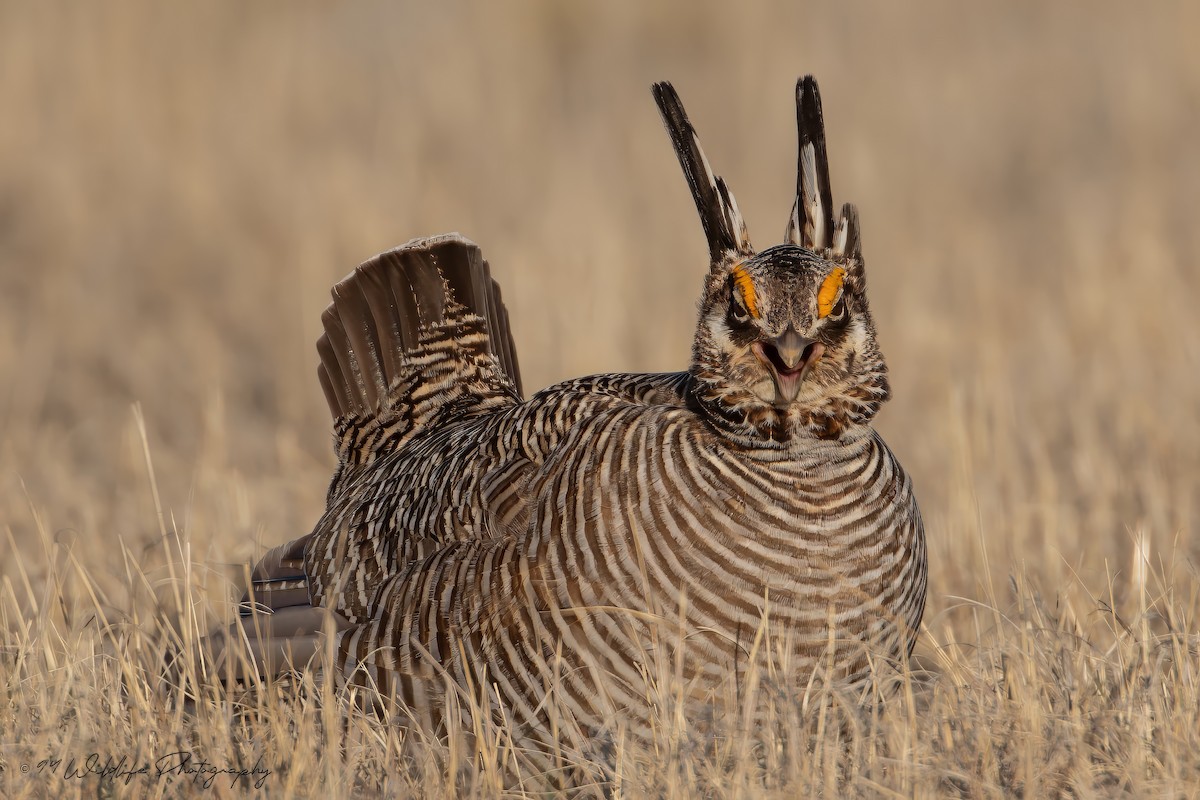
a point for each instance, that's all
(557, 545)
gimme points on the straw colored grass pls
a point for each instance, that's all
(180, 185)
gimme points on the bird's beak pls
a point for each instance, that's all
(789, 358)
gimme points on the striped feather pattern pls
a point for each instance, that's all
(649, 528)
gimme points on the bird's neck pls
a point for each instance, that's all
(746, 421)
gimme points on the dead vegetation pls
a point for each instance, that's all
(180, 186)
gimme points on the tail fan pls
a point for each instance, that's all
(719, 214)
(411, 334)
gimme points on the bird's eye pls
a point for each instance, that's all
(737, 311)
(839, 309)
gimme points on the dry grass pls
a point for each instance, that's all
(180, 185)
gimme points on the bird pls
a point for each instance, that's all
(540, 559)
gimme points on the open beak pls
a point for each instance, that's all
(789, 357)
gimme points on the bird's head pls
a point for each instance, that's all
(785, 344)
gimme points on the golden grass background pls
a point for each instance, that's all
(180, 185)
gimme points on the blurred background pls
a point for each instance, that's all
(180, 185)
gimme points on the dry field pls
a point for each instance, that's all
(180, 185)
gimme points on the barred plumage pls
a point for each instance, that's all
(560, 544)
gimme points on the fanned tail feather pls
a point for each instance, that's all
(411, 334)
